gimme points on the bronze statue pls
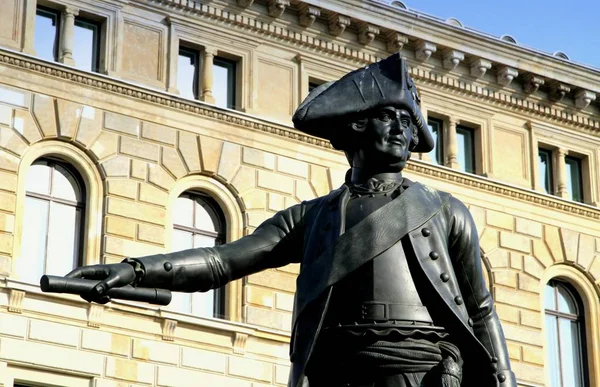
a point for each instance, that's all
(390, 291)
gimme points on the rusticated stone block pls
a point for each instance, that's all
(55, 333)
(172, 162)
(231, 159)
(13, 325)
(178, 377)
(153, 195)
(127, 248)
(594, 269)
(7, 202)
(508, 313)
(133, 371)
(269, 318)
(203, 360)
(276, 202)
(159, 177)
(187, 144)
(6, 243)
(553, 241)
(585, 255)
(303, 190)
(123, 187)
(499, 219)
(533, 355)
(139, 211)
(105, 342)
(529, 227)
(15, 97)
(531, 319)
(25, 125)
(7, 222)
(514, 351)
(105, 145)
(541, 253)
(529, 373)
(284, 301)
(90, 126)
(319, 180)
(121, 123)
(259, 296)
(281, 374)
(570, 240)
(6, 115)
(258, 158)
(138, 148)
(532, 267)
(336, 177)
(8, 162)
(254, 199)
(528, 283)
(12, 141)
(155, 351)
(275, 182)
(150, 233)
(515, 242)
(250, 368)
(244, 179)
(523, 334)
(515, 297)
(506, 278)
(138, 169)
(273, 279)
(488, 240)
(159, 133)
(210, 152)
(120, 226)
(8, 181)
(117, 166)
(292, 167)
(43, 111)
(69, 114)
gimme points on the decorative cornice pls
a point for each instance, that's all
(277, 7)
(337, 24)
(366, 33)
(423, 50)
(506, 75)
(307, 14)
(395, 41)
(532, 83)
(479, 67)
(240, 119)
(452, 58)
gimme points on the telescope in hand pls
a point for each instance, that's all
(57, 284)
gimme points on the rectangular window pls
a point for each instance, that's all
(86, 49)
(188, 64)
(466, 155)
(574, 178)
(436, 128)
(47, 25)
(313, 83)
(224, 80)
(545, 171)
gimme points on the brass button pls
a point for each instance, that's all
(426, 232)
(168, 266)
(458, 300)
(470, 322)
(434, 255)
(445, 277)
(494, 359)
(501, 378)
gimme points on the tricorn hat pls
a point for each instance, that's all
(385, 83)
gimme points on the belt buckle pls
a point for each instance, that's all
(376, 311)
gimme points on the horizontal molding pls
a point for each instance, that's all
(106, 84)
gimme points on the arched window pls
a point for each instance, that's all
(198, 222)
(565, 335)
(53, 219)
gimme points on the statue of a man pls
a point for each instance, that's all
(390, 291)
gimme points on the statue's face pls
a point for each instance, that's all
(386, 138)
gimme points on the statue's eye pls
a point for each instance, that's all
(405, 121)
(385, 116)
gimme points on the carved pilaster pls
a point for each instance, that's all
(207, 75)
(451, 150)
(479, 67)
(395, 41)
(561, 174)
(337, 24)
(168, 329)
(366, 33)
(94, 315)
(308, 14)
(532, 83)
(239, 343)
(245, 3)
(583, 98)
(275, 8)
(558, 91)
(15, 301)
(506, 75)
(68, 36)
(423, 50)
(452, 58)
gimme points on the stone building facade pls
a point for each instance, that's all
(518, 141)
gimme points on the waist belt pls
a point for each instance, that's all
(384, 312)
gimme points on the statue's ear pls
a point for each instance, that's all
(359, 125)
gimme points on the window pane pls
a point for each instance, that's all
(574, 186)
(183, 212)
(566, 303)
(180, 302)
(203, 220)
(203, 304)
(549, 298)
(64, 185)
(85, 50)
(545, 171)
(464, 137)
(187, 73)
(33, 246)
(224, 83)
(553, 365)
(570, 353)
(38, 178)
(46, 37)
(203, 241)
(63, 232)
(435, 126)
(182, 240)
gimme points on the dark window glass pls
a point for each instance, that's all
(198, 222)
(565, 339)
(86, 49)
(187, 72)
(436, 128)
(313, 83)
(466, 154)
(545, 171)
(46, 33)
(53, 218)
(574, 180)
(224, 82)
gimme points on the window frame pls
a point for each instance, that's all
(219, 220)
(579, 319)
(573, 160)
(439, 150)
(97, 43)
(470, 159)
(79, 184)
(231, 66)
(58, 33)
(549, 170)
(191, 53)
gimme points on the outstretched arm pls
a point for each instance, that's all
(276, 242)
